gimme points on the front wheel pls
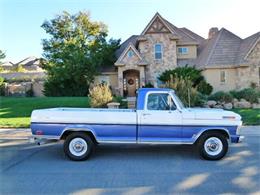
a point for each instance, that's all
(213, 146)
(78, 146)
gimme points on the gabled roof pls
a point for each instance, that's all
(132, 39)
(160, 18)
(8, 63)
(192, 34)
(29, 61)
(130, 47)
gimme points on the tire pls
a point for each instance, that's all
(78, 146)
(212, 146)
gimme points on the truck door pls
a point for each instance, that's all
(160, 120)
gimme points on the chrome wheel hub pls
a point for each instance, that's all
(78, 146)
(213, 146)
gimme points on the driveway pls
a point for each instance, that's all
(127, 169)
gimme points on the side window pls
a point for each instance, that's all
(222, 76)
(160, 101)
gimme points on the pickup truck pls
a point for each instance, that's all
(159, 118)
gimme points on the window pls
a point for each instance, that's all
(182, 50)
(158, 51)
(160, 101)
(130, 53)
(222, 76)
(102, 79)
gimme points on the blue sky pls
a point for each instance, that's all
(20, 20)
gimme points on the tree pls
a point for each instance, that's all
(2, 56)
(188, 73)
(74, 53)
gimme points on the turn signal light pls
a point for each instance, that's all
(39, 132)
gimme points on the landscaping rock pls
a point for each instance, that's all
(235, 100)
(211, 103)
(228, 106)
(218, 106)
(255, 106)
(242, 104)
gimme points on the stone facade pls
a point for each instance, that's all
(169, 55)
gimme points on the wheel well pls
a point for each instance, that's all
(221, 131)
(68, 132)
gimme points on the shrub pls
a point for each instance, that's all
(2, 86)
(119, 99)
(248, 94)
(221, 96)
(190, 73)
(148, 85)
(183, 88)
(100, 95)
(19, 68)
(204, 88)
(29, 93)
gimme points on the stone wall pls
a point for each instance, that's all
(169, 58)
(250, 74)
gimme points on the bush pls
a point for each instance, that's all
(100, 95)
(183, 88)
(2, 86)
(204, 88)
(221, 96)
(248, 94)
(148, 85)
(190, 73)
(119, 99)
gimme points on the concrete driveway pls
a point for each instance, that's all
(127, 169)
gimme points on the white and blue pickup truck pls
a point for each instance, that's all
(159, 118)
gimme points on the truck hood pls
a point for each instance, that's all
(209, 114)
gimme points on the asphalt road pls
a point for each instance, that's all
(127, 169)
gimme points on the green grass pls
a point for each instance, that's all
(16, 111)
(249, 116)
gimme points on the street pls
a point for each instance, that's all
(127, 169)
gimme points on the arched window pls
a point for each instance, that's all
(158, 51)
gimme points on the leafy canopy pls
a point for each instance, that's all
(74, 53)
(2, 56)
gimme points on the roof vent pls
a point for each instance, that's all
(212, 32)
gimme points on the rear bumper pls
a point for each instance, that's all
(237, 138)
(42, 139)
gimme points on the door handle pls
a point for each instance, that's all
(146, 114)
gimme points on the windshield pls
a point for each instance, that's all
(178, 101)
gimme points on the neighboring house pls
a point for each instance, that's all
(228, 62)
(31, 64)
(7, 66)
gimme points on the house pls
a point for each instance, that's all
(31, 64)
(228, 62)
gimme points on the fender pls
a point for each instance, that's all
(195, 137)
(86, 128)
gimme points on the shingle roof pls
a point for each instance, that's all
(245, 47)
(124, 45)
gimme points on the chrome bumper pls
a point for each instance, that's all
(241, 138)
(41, 139)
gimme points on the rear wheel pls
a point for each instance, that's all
(213, 146)
(78, 146)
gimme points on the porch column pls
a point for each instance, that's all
(120, 81)
(142, 76)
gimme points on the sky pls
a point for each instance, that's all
(20, 20)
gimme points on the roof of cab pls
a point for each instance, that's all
(154, 89)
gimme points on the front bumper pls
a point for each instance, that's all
(237, 138)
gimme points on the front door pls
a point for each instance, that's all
(160, 121)
(131, 82)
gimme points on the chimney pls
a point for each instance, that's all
(212, 32)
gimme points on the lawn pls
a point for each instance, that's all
(249, 116)
(16, 111)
